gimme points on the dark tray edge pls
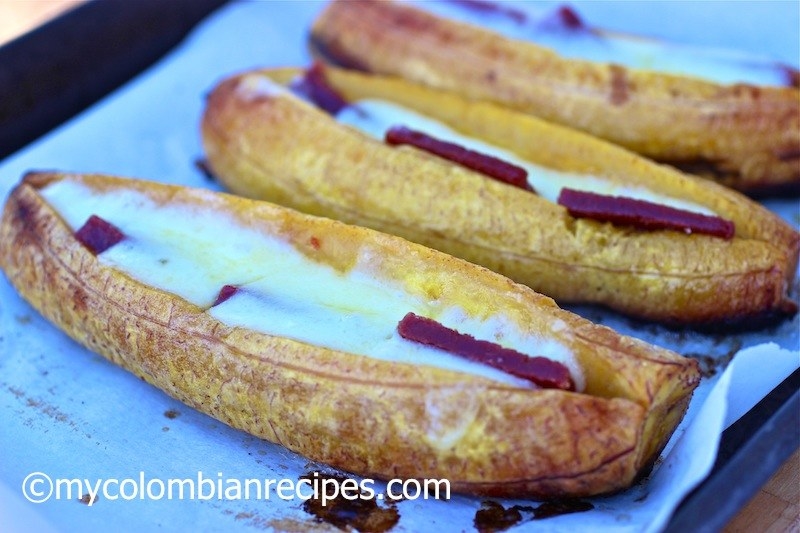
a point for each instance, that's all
(53, 72)
(750, 452)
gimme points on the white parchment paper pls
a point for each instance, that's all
(68, 413)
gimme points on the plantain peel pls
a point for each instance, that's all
(386, 414)
(745, 135)
(263, 141)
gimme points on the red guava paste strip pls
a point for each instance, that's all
(564, 16)
(570, 18)
(642, 214)
(224, 293)
(98, 235)
(792, 76)
(314, 87)
(485, 164)
(542, 371)
(492, 8)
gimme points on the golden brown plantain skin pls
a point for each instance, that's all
(747, 137)
(284, 150)
(364, 415)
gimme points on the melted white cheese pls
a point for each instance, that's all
(193, 253)
(713, 64)
(253, 87)
(375, 117)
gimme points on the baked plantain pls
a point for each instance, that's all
(263, 141)
(744, 134)
(131, 269)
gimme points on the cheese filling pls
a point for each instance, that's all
(193, 252)
(542, 28)
(375, 117)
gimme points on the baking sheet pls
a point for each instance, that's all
(68, 413)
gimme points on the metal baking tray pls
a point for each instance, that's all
(62, 68)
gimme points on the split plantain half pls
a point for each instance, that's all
(264, 141)
(746, 135)
(286, 326)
